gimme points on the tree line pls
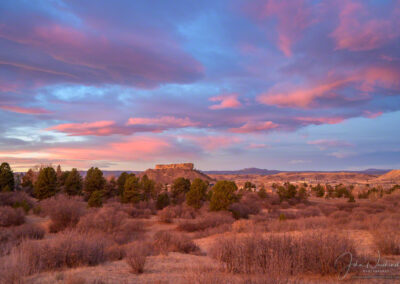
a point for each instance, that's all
(128, 187)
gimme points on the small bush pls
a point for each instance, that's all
(136, 256)
(180, 211)
(113, 221)
(64, 212)
(11, 217)
(13, 236)
(164, 242)
(209, 220)
(16, 198)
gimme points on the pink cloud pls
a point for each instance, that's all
(251, 127)
(359, 30)
(163, 122)
(211, 143)
(365, 80)
(301, 97)
(139, 124)
(90, 57)
(323, 144)
(293, 17)
(320, 120)
(257, 146)
(25, 110)
(131, 149)
(226, 101)
(371, 114)
(97, 128)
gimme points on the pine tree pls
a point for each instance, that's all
(223, 195)
(73, 183)
(180, 187)
(147, 185)
(94, 181)
(132, 191)
(6, 177)
(197, 193)
(46, 183)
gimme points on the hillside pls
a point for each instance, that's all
(393, 175)
(169, 175)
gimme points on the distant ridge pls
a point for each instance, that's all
(264, 172)
(393, 175)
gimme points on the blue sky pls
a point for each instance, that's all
(290, 85)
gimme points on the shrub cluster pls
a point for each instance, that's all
(283, 255)
(11, 217)
(164, 242)
(64, 211)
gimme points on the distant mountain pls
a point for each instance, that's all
(374, 171)
(246, 171)
(265, 172)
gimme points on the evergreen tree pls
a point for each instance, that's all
(132, 191)
(94, 181)
(197, 193)
(121, 182)
(223, 195)
(111, 188)
(28, 180)
(73, 183)
(6, 178)
(147, 186)
(180, 187)
(46, 183)
(96, 199)
(162, 201)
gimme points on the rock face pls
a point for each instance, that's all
(166, 174)
(184, 166)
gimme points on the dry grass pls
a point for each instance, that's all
(387, 241)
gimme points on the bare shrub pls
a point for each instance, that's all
(64, 211)
(13, 236)
(116, 223)
(241, 226)
(387, 241)
(136, 256)
(11, 217)
(327, 209)
(164, 242)
(209, 220)
(169, 213)
(279, 255)
(16, 197)
(68, 249)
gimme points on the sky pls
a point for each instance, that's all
(124, 85)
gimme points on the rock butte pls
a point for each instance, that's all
(183, 166)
